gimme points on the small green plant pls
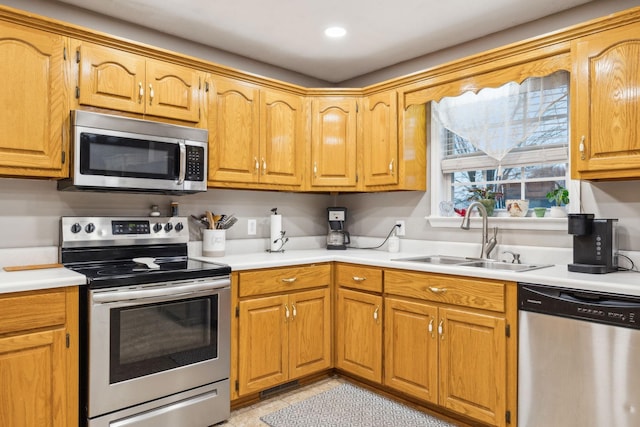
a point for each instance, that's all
(477, 193)
(559, 196)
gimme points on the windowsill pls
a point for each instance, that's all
(504, 222)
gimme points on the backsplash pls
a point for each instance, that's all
(31, 210)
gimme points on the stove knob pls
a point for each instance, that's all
(179, 227)
(76, 228)
(157, 227)
(168, 227)
(90, 228)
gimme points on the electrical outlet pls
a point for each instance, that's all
(400, 231)
(251, 227)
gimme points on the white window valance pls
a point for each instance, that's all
(498, 120)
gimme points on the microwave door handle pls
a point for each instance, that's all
(183, 162)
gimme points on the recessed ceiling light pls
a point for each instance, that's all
(335, 32)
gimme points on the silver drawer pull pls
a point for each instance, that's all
(437, 290)
(289, 279)
(359, 279)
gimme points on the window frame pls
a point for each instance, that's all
(440, 186)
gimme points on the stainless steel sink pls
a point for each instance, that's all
(498, 265)
(436, 259)
(476, 263)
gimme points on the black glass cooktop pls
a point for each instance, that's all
(108, 267)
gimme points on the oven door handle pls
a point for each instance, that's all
(159, 292)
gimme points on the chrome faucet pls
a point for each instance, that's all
(487, 245)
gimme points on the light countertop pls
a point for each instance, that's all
(31, 280)
(623, 282)
(619, 282)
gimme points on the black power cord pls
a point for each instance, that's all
(633, 265)
(385, 239)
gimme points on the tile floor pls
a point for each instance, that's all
(250, 415)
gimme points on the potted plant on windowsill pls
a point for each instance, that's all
(560, 197)
(485, 196)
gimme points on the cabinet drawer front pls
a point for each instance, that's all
(359, 277)
(32, 310)
(463, 291)
(287, 279)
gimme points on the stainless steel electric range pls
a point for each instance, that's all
(155, 325)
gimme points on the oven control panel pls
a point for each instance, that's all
(104, 231)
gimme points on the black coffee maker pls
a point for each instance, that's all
(595, 244)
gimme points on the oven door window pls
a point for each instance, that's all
(152, 338)
(106, 155)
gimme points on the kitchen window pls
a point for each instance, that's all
(512, 140)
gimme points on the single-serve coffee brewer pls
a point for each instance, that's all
(338, 237)
(595, 244)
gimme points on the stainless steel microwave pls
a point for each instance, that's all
(112, 153)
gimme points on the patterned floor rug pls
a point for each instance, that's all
(348, 405)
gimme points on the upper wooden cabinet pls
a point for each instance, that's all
(605, 96)
(380, 141)
(334, 129)
(233, 111)
(34, 105)
(256, 135)
(117, 80)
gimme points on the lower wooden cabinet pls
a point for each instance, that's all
(441, 348)
(283, 336)
(359, 334)
(39, 358)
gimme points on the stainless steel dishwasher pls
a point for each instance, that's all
(579, 358)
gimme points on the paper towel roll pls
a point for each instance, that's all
(276, 229)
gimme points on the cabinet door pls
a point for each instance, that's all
(281, 138)
(411, 348)
(359, 334)
(263, 344)
(309, 332)
(233, 132)
(33, 375)
(110, 78)
(173, 91)
(32, 95)
(380, 144)
(472, 365)
(333, 148)
(606, 104)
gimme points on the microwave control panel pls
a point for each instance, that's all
(195, 163)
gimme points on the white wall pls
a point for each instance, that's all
(31, 210)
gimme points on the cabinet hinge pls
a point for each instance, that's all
(507, 331)
(68, 341)
(237, 385)
(356, 107)
(64, 53)
(64, 157)
(206, 86)
(77, 92)
(78, 55)
(507, 417)
(237, 311)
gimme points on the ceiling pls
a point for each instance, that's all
(289, 33)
